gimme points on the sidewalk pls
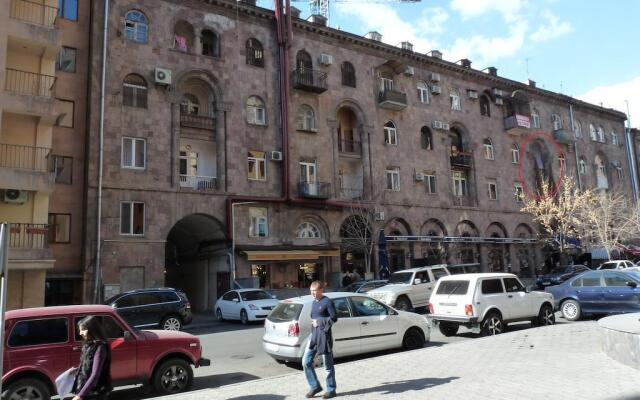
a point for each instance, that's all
(557, 362)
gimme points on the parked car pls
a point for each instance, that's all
(43, 342)
(486, 303)
(597, 292)
(559, 275)
(164, 308)
(364, 286)
(245, 305)
(471, 268)
(364, 325)
(410, 288)
(616, 264)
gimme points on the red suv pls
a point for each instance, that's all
(41, 343)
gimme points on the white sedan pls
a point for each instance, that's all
(364, 325)
(245, 305)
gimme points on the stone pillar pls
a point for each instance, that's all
(484, 258)
(175, 141)
(197, 44)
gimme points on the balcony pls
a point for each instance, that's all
(392, 100)
(198, 183)
(29, 244)
(563, 136)
(352, 147)
(314, 190)
(29, 83)
(197, 121)
(34, 13)
(517, 124)
(461, 160)
(462, 201)
(352, 193)
(309, 80)
(25, 168)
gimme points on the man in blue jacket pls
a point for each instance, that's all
(323, 316)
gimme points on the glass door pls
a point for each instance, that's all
(308, 178)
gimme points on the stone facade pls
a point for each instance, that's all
(186, 238)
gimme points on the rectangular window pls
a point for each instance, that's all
(515, 156)
(39, 332)
(66, 110)
(423, 94)
(256, 115)
(536, 120)
(59, 228)
(258, 224)
(430, 181)
(393, 179)
(492, 190)
(488, 152)
(620, 172)
(455, 101)
(390, 135)
(131, 218)
(68, 9)
(459, 184)
(492, 286)
(62, 168)
(518, 192)
(386, 84)
(257, 166)
(66, 59)
(134, 152)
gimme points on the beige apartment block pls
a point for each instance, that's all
(440, 153)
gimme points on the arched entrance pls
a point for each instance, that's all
(525, 253)
(196, 260)
(466, 252)
(434, 252)
(497, 253)
(400, 254)
(357, 244)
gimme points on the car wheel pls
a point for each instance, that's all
(413, 339)
(244, 318)
(219, 315)
(403, 303)
(546, 316)
(571, 310)
(173, 376)
(171, 323)
(28, 388)
(448, 330)
(492, 325)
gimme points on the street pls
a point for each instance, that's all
(236, 355)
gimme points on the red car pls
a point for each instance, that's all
(41, 343)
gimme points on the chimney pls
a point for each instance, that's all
(317, 19)
(373, 35)
(493, 71)
(406, 46)
(295, 12)
(465, 62)
(436, 54)
(532, 83)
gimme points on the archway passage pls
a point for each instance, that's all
(196, 260)
(356, 245)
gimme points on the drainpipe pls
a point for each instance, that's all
(575, 147)
(631, 155)
(98, 270)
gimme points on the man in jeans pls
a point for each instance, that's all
(323, 316)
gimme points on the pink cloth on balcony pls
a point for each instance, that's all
(181, 43)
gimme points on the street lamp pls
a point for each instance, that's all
(233, 239)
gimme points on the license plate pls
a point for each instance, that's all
(546, 283)
(272, 347)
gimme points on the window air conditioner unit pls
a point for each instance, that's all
(435, 89)
(419, 176)
(437, 124)
(497, 92)
(410, 71)
(499, 101)
(15, 196)
(378, 215)
(445, 126)
(275, 156)
(326, 59)
(435, 77)
(162, 76)
(472, 94)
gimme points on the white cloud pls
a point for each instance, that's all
(433, 20)
(552, 29)
(509, 9)
(615, 96)
(486, 50)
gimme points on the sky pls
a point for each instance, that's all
(582, 48)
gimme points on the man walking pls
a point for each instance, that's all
(323, 316)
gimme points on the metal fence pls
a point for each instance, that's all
(34, 13)
(29, 236)
(29, 83)
(24, 157)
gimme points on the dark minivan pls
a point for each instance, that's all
(164, 308)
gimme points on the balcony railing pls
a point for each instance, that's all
(315, 190)
(197, 121)
(34, 13)
(31, 83)
(350, 146)
(351, 193)
(392, 100)
(309, 79)
(24, 157)
(199, 182)
(517, 123)
(29, 236)
(563, 136)
(461, 160)
(463, 201)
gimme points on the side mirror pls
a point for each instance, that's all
(417, 281)
(127, 336)
(632, 284)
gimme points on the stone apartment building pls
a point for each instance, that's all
(43, 57)
(199, 185)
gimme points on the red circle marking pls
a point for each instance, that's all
(546, 137)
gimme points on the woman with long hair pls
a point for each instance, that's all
(93, 378)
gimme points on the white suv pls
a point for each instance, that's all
(617, 264)
(410, 288)
(486, 302)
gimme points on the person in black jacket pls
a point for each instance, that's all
(323, 316)
(93, 378)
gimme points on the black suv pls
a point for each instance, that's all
(164, 308)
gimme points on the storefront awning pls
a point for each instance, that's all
(287, 255)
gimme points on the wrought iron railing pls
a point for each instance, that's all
(461, 160)
(199, 182)
(29, 236)
(318, 190)
(392, 96)
(352, 193)
(309, 79)
(25, 157)
(32, 83)
(350, 146)
(463, 201)
(34, 13)
(197, 121)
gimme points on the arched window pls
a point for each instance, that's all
(255, 53)
(134, 91)
(307, 230)
(136, 26)
(390, 133)
(515, 153)
(601, 173)
(593, 134)
(256, 114)
(348, 74)
(303, 61)
(454, 99)
(386, 81)
(577, 129)
(423, 92)
(557, 122)
(535, 118)
(614, 138)
(582, 166)
(488, 149)
(306, 119)
(601, 137)
(190, 104)
(426, 139)
(485, 108)
(210, 43)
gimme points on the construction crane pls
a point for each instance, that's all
(321, 7)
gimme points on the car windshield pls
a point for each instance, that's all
(562, 270)
(285, 312)
(255, 295)
(401, 277)
(367, 287)
(453, 287)
(608, 265)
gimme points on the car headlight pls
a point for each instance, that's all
(253, 307)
